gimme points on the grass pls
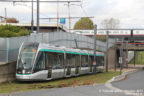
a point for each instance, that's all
(139, 58)
(67, 82)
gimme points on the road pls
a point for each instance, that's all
(133, 82)
(91, 90)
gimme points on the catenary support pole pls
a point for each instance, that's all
(115, 65)
(95, 32)
(127, 54)
(38, 16)
(134, 57)
(5, 15)
(121, 56)
(32, 21)
(107, 44)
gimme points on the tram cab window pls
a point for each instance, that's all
(27, 55)
(55, 60)
(40, 63)
(84, 60)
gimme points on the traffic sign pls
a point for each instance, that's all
(62, 20)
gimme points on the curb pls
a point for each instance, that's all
(123, 76)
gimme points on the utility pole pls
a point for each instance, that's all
(115, 66)
(5, 15)
(134, 58)
(121, 57)
(107, 44)
(32, 21)
(95, 32)
(38, 16)
(57, 15)
(127, 54)
(69, 16)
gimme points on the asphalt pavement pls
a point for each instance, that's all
(91, 90)
(134, 81)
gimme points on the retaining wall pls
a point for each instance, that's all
(7, 72)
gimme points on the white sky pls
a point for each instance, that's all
(129, 12)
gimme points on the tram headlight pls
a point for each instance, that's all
(23, 71)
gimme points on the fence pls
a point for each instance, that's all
(9, 46)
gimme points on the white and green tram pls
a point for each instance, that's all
(38, 61)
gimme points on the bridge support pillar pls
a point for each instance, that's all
(112, 58)
(124, 58)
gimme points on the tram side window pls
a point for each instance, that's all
(91, 60)
(84, 60)
(56, 60)
(100, 61)
(40, 65)
(73, 61)
(70, 60)
(77, 60)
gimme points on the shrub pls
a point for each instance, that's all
(13, 31)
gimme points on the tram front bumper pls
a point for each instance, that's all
(22, 77)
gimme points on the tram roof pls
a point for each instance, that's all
(62, 49)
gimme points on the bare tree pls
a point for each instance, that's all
(111, 23)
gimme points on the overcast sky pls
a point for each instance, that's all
(129, 12)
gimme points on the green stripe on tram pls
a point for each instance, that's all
(50, 50)
(23, 74)
(96, 55)
(68, 52)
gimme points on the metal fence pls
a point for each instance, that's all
(9, 46)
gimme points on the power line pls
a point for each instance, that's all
(61, 1)
(68, 17)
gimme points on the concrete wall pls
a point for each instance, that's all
(7, 72)
(111, 58)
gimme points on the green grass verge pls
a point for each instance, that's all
(74, 81)
(139, 60)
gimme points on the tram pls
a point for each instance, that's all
(38, 61)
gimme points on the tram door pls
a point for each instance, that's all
(49, 62)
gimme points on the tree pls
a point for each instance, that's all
(84, 23)
(11, 20)
(111, 23)
(12, 31)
